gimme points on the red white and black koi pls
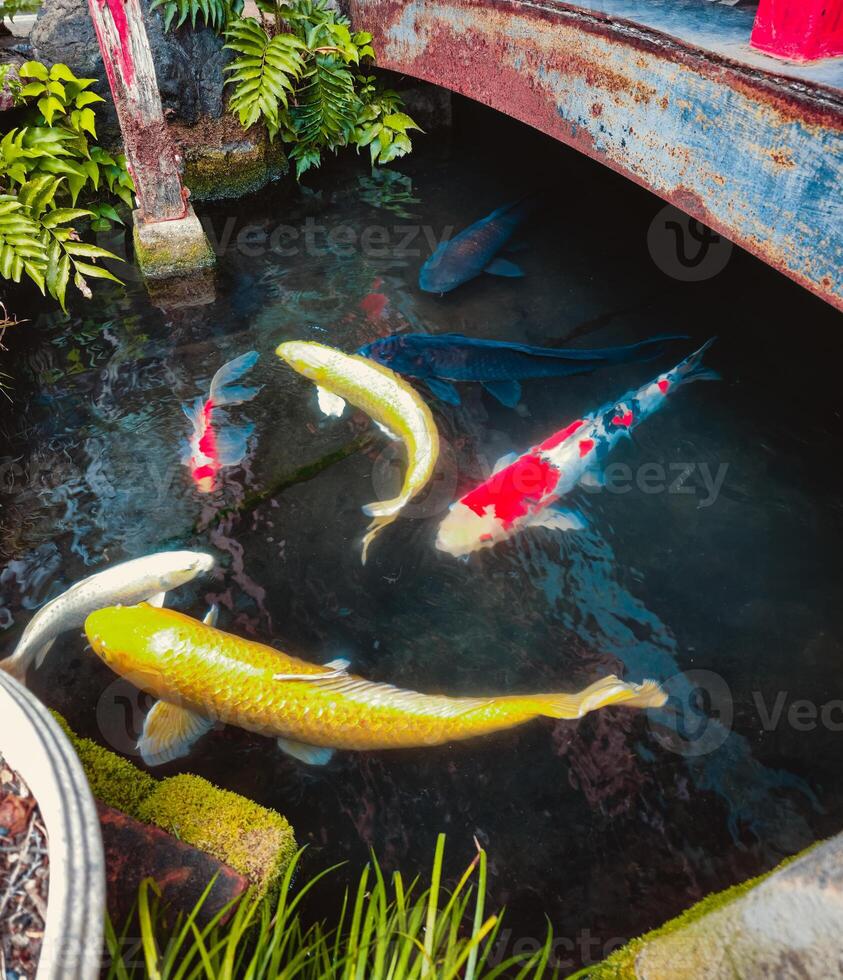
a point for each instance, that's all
(523, 490)
(214, 441)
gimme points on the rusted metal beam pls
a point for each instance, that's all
(686, 110)
(804, 30)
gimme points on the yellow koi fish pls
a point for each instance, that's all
(203, 675)
(393, 404)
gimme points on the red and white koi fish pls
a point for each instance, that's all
(522, 490)
(214, 441)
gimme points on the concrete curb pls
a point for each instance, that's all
(34, 745)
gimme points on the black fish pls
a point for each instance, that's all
(473, 251)
(499, 366)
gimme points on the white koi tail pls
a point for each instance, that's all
(607, 691)
(692, 369)
(224, 391)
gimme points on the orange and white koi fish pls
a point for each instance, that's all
(203, 675)
(523, 490)
(214, 441)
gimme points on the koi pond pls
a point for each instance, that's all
(709, 560)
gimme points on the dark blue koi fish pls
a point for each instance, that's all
(474, 250)
(496, 364)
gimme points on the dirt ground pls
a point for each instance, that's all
(24, 876)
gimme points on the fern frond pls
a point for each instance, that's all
(327, 105)
(263, 74)
(214, 13)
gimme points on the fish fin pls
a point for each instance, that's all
(691, 369)
(387, 432)
(236, 395)
(329, 403)
(157, 600)
(506, 460)
(169, 732)
(503, 267)
(311, 755)
(194, 412)
(507, 392)
(374, 529)
(340, 664)
(608, 690)
(41, 653)
(594, 477)
(212, 615)
(556, 519)
(444, 391)
(233, 443)
(228, 374)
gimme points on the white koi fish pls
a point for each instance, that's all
(146, 579)
(522, 490)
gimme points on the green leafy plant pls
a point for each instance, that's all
(214, 13)
(9, 9)
(393, 931)
(388, 190)
(296, 71)
(46, 166)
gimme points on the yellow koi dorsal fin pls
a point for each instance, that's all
(169, 732)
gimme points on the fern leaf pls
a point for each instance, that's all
(328, 106)
(263, 74)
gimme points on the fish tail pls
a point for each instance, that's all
(375, 528)
(607, 691)
(224, 391)
(692, 369)
(645, 350)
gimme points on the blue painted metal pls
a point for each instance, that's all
(662, 91)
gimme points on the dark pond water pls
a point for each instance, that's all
(607, 826)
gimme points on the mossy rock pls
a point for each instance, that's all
(221, 161)
(257, 842)
(620, 965)
(113, 779)
(252, 839)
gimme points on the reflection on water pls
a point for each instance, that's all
(606, 826)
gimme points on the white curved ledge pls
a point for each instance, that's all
(35, 746)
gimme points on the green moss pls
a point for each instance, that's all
(252, 839)
(113, 779)
(257, 842)
(621, 964)
(233, 171)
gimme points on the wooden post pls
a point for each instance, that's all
(169, 240)
(801, 30)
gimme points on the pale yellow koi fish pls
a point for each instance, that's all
(203, 675)
(393, 404)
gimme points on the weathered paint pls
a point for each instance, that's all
(150, 152)
(804, 30)
(755, 155)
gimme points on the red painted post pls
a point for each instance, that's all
(801, 30)
(149, 150)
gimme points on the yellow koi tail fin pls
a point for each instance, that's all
(608, 690)
(384, 513)
(374, 529)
